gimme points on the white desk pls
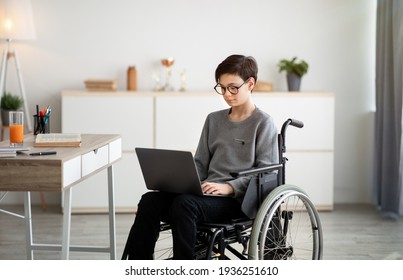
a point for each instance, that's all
(59, 173)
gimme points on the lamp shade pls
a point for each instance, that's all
(16, 20)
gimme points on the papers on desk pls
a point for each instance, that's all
(58, 140)
(9, 152)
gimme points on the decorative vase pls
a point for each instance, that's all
(131, 78)
(293, 82)
(5, 119)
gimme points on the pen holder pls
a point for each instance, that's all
(41, 124)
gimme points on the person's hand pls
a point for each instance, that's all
(217, 188)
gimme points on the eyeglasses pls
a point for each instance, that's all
(232, 89)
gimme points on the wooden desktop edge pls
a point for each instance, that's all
(46, 165)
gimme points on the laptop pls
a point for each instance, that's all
(175, 171)
(169, 170)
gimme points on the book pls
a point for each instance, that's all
(14, 149)
(8, 152)
(58, 140)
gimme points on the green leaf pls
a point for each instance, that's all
(10, 102)
(299, 68)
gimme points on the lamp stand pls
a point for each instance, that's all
(7, 55)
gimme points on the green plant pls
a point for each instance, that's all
(299, 68)
(10, 102)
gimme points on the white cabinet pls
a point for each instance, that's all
(131, 116)
(310, 149)
(174, 121)
(179, 119)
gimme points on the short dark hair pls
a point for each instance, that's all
(244, 66)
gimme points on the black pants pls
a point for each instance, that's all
(183, 212)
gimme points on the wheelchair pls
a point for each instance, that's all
(282, 223)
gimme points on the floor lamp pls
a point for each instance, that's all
(7, 56)
(16, 23)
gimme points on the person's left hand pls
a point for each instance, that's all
(217, 188)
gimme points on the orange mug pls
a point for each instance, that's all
(16, 127)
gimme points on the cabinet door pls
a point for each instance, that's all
(130, 116)
(313, 172)
(179, 119)
(309, 149)
(316, 111)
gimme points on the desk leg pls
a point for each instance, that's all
(28, 225)
(112, 227)
(66, 224)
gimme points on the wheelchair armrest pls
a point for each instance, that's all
(254, 171)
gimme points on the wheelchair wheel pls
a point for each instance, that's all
(205, 248)
(286, 227)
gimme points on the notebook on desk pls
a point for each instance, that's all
(169, 170)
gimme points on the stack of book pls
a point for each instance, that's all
(263, 86)
(7, 153)
(10, 152)
(100, 85)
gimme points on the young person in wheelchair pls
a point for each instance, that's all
(238, 138)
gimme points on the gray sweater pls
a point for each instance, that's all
(227, 146)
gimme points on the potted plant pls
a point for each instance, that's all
(9, 103)
(295, 70)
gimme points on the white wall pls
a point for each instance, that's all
(79, 40)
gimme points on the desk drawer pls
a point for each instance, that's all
(94, 160)
(115, 150)
(71, 171)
